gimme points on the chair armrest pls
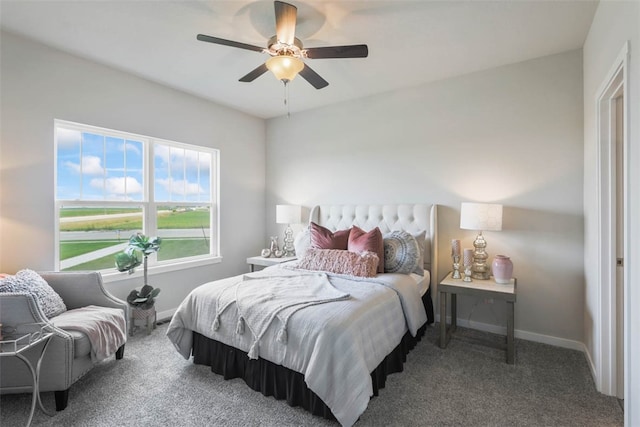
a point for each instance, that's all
(19, 309)
(83, 288)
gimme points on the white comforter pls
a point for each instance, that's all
(335, 345)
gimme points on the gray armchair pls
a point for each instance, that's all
(68, 356)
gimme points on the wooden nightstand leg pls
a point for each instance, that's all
(443, 319)
(511, 351)
(454, 312)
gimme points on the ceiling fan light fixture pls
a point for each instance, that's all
(285, 67)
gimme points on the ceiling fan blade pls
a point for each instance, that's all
(312, 77)
(285, 22)
(351, 51)
(254, 74)
(224, 42)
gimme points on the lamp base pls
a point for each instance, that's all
(288, 248)
(480, 269)
(480, 275)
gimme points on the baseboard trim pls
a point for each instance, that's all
(165, 315)
(525, 335)
(592, 365)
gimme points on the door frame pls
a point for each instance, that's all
(606, 348)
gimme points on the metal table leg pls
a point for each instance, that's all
(443, 319)
(35, 377)
(511, 351)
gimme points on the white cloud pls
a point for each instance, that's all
(180, 186)
(118, 185)
(178, 155)
(131, 147)
(91, 165)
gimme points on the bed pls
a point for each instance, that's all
(330, 351)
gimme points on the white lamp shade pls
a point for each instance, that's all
(481, 216)
(288, 214)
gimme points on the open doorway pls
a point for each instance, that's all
(613, 220)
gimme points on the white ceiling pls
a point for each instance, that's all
(410, 42)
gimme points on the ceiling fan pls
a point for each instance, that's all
(287, 53)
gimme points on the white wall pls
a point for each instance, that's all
(614, 24)
(40, 84)
(511, 135)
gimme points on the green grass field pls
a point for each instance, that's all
(169, 249)
(71, 249)
(75, 212)
(166, 220)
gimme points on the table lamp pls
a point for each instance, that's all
(480, 217)
(288, 214)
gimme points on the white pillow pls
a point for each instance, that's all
(30, 282)
(302, 242)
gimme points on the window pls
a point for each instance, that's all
(110, 185)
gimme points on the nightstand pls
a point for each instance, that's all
(478, 288)
(266, 262)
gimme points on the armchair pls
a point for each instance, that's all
(68, 356)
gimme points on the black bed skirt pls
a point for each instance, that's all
(283, 383)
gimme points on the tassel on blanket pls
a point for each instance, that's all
(240, 326)
(282, 335)
(216, 323)
(254, 350)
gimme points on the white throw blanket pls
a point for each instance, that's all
(105, 327)
(260, 300)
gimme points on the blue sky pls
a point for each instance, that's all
(91, 166)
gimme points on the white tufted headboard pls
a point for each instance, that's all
(410, 218)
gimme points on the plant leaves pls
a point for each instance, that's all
(126, 262)
(145, 291)
(133, 295)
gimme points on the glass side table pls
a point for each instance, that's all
(15, 345)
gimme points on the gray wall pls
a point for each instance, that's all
(511, 135)
(40, 84)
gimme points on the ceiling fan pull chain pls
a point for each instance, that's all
(286, 98)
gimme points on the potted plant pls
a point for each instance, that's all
(139, 246)
(143, 299)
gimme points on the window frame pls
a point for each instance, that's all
(148, 204)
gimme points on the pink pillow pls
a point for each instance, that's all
(360, 241)
(323, 238)
(364, 264)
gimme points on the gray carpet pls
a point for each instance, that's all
(465, 385)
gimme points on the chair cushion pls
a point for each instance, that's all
(81, 343)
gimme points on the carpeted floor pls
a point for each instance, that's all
(463, 385)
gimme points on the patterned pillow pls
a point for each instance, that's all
(338, 261)
(28, 281)
(401, 252)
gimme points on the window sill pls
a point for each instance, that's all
(116, 276)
